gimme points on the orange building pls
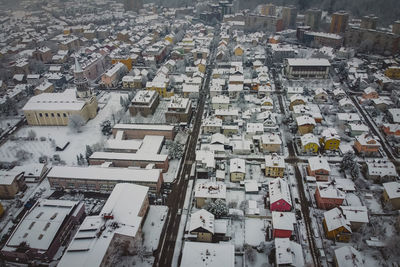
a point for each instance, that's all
(339, 22)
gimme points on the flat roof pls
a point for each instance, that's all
(308, 62)
(111, 174)
(128, 156)
(152, 127)
(200, 254)
(55, 101)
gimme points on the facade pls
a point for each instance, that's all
(274, 165)
(328, 195)
(336, 226)
(391, 194)
(11, 182)
(145, 102)
(270, 142)
(330, 140)
(111, 78)
(366, 144)
(206, 191)
(313, 18)
(339, 22)
(283, 224)
(279, 195)
(237, 169)
(309, 143)
(380, 170)
(307, 68)
(43, 54)
(43, 230)
(289, 16)
(179, 110)
(119, 222)
(322, 39)
(319, 168)
(305, 124)
(202, 225)
(369, 22)
(102, 179)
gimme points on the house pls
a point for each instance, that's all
(380, 170)
(241, 147)
(357, 129)
(283, 224)
(328, 195)
(237, 169)
(346, 105)
(369, 93)
(347, 256)
(297, 100)
(238, 50)
(339, 93)
(309, 143)
(205, 163)
(319, 168)
(288, 253)
(111, 77)
(345, 118)
(305, 124)
(235, 89)
(254, 129)
(270, 142)
(44, 87)
(367, 144)
(43, 230)
(120, 221)
(206, 191)
(382, 103)
(356, 215)
(320, 95)
(391, 194)
(279, 195)
(311, 110)
(227, 115)
(198, 254)
(330, 140)
(220, 102)
(394, 115)
(202, 225)
(336, 226)
(179, 110)
(291, 91)
(11, 182)
(307, 68)
(145, 103)
(33, 173)
(274, 165)
(211, 125)
(391, 129)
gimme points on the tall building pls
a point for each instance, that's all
(313, 18)
(268, 10)
(81, 82)
(133, 5)
(396, 27)
(339, 22)
(369, 22)
(289, 16)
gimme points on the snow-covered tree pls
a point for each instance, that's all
(106, 127)
(250, 253)
(75, 122)
(31, 134)
(175, 150)
(88, 152)
(218, 208)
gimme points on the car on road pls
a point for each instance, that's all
(179, 212)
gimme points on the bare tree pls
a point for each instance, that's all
(75, 122)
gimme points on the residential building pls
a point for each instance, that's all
(391, 194)
(288, 253)
(210, 254)
(237, 169)
(120, 221)
(212, 125)
(330, 140)
(356, 215)
(112, 77)
(42, 54)
(367, 144)
(43, 230)
(380, 170)
(283, 224)
(348, 256)
(305, 124)
(202, 224)
(309, 143)
(179, 110)
(339, 22)
(145, 102)
(206, 191)
(139, 131)
(328, 195)
(289, 16)
(279, 195)
(319, 168)
(391, 129)
(11, 182)
(102, 179)
(336, 226)
(270, 143)
(369, 22)
(274, 165)
(313, 18)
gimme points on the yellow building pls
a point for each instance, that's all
(274, 166)
(330, 140)
(309, 143)
(391, 194)
(160, 87)
(238, 50)
(336, 226)
(127, 61)
(393, 72)
(202, 225)
(169, 38)
(237, 169)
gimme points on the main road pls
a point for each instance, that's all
(165, 251)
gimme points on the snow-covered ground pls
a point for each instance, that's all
(153, 226)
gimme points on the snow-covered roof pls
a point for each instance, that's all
(355, 213)
(128, 156)
(318, 163)
(220, 99)
(144, 96)
(288, 252)
(30, 170)
(367, 139)
(94, 236)
(330, 190)
(348, 117)
(274, 160)
(41, 224)
(206, 157)
(330, 133)
(279, 189)
(392, 189)
(150, 127)
(395, 114)
(210, 189)
(304, 120)
(380, 168)
(200, 254)
(359, 127)
(8, 177)
(308, 62)
(250, 186)
(110, 174)
(309, 139)
(283, 220)
(335, 219)
(237, 165)
(271, 138)
(55, 101)
(347, 256)
(202, 219)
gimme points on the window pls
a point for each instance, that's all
(40, 115)
(47, 114)
(52, 114)
(58, 115)
(65, 115)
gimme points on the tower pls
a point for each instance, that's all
(369, 22)
(289, 17)
(339, 22)
(81, 82)
(313, 18)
